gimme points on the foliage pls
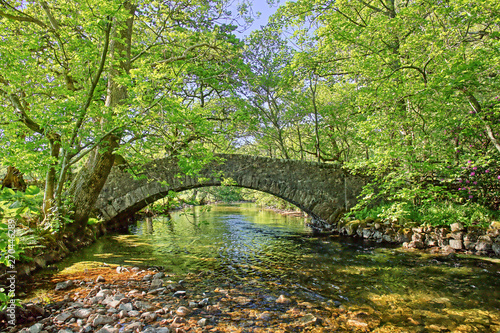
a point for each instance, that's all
(90, 80)
(224, 193)
(436, 213)
(268, 200)
(16, 238)
(15, 204)
(411, 93)
(403, 91)
(18, 209)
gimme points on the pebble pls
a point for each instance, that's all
(82, 313)
(122, 314)
(87, 328)
(37, 328)
(103, 293)
(156, 283)
(108, 329)
(162, 330)
(133, 313)
(133, 326)
(202, 322)
(62, 317)
(180, 293)
(283, 300)
(64, 285)
(101, 320)
(140, 305)
(121, 269)
(308, 319)
(182, 311)
(126, 307)
(147, 277)
(266, 316)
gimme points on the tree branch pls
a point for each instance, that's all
(23, 116)
(52, 20)
(492, 136)
(93, 86)
(24, 18)
(185, 53)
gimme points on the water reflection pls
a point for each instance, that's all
(279, 254)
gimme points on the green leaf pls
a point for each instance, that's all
(32, 190)
(16, 204)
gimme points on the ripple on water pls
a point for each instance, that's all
(272, 254)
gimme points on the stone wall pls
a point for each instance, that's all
(324, 191)
(473, 240)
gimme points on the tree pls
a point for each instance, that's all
(267, 89)
(85, 80)
(425, 76)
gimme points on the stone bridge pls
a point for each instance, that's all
(324, 191)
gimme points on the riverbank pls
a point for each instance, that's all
(249, 270)
(453, 239)
(116, 299)
(456, 238)
(128, 299)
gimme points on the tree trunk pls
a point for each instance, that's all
(50, 181)
(313, 86)
(14, 179)
(91, 179)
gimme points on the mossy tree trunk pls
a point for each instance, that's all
(90, 181)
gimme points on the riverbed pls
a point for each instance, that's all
(369, 286)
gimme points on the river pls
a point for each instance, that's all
(276, 254)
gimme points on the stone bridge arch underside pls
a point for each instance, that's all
(324, 191)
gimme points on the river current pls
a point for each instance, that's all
(412, 291)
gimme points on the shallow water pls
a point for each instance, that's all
(387, 287)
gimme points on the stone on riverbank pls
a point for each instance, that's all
(235, 307)
(455, 238)
(64, 285)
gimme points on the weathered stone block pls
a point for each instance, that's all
(416, 245)
(483, 245)
(469, 245)
(442, 242)
(456, 235)
(496, 248)
(456, 244)
(417, 235)
(388, 238)
(367, 233)
(457, 226)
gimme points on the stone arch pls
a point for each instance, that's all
(324, 191)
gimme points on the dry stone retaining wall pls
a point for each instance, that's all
(456, 238)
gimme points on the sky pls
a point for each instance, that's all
(266, 11)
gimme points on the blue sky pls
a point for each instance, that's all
(266, 11)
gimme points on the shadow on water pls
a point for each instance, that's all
(277, 254)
